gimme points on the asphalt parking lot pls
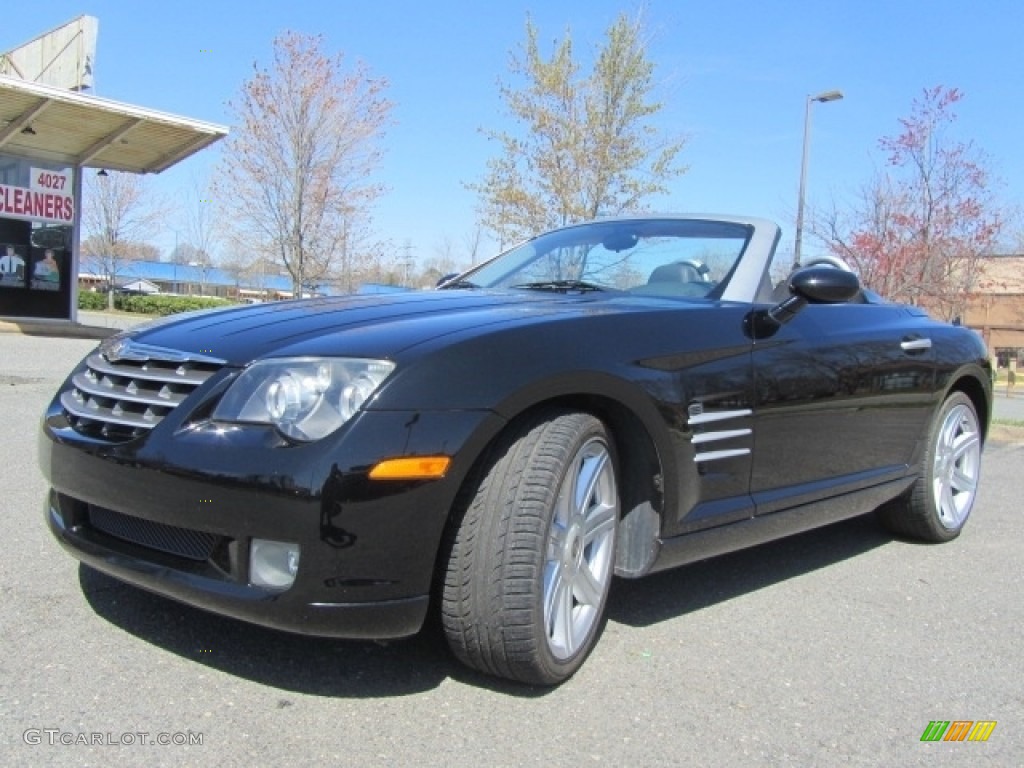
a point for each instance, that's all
(835, 647)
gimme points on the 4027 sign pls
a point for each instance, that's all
(47, 198)
(56, 181)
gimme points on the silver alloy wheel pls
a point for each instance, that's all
(580, 551)
(957, 466)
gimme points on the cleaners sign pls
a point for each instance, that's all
(48, 198)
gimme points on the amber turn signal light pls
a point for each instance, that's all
(411, 468)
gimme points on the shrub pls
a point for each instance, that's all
(168, 305)
(158, 304)
(90, 300)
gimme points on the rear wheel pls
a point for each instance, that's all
(533, 555)
(938, 505)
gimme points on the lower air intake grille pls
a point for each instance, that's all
(183, 542)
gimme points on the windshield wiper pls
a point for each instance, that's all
(560, 285)
(457, 284)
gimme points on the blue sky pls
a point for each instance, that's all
(734, 77)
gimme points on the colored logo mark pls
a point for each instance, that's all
(958, 730)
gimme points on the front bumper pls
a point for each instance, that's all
(159, 573)
(175, 514)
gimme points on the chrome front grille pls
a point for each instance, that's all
(127, 390)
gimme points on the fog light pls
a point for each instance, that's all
(273, 563)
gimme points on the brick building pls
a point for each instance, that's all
(997, 310)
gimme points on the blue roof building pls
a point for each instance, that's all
(192, 280)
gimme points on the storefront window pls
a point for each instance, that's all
(37, 210)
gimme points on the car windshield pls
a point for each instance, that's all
(652, 257)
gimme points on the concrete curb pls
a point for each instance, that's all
(90, 325)
(57, 328)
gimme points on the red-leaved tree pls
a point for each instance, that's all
(917, 231)
(297, 177)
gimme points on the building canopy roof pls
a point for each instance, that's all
(77, 129)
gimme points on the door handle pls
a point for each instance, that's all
(916, 345)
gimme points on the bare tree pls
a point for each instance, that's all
(297, 172)
(202, 230)
(440, 263)
(141, 251)
(244, 268)
(917, 231)
(118, 215)
(587, 147)
(361, 258)
(472, 244)
(444, 257)
(183, 253)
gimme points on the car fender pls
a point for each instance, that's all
(642, 439)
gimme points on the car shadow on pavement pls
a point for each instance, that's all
(677, 592)
(359, 669)
(310, 665)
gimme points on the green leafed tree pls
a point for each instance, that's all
(297, 178)
(586, 144)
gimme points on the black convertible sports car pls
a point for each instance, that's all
(616, 397)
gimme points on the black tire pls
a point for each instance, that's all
(520, 541)
(937, 506)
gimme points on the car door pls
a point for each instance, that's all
(842, 396)
(701, 377)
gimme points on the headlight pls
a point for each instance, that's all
(306, 398)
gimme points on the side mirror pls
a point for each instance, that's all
(824, 285)
(811, 285)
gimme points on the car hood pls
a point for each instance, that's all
(361, 326)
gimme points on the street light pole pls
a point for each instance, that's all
(822, 97)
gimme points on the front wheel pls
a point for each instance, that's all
(940, 501)
(533, 554)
